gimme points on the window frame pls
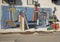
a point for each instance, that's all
(31, 3)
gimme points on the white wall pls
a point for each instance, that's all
(48, 3)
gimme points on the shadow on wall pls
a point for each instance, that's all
(18, 2)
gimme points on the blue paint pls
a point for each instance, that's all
(5, 15)
(28, 13)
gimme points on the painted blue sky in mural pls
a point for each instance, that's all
(28, 11)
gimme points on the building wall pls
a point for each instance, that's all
(48, 3)
(0, 12)
(45, 3)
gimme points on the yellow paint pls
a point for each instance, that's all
(12, 9)
(20, 22)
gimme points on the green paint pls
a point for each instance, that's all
(14, 14)
(51, 19)
(50, 28)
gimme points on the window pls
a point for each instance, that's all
(9, 1)
(31, 2)
(57, 2)
(3, 1)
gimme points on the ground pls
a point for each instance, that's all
(31, 37)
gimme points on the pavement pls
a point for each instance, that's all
(31, 37)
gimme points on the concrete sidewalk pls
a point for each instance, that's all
(34, 37)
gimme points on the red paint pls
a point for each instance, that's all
(35, 15)
(55, 26)
(36, 8)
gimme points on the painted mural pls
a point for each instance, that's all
(22, 17)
